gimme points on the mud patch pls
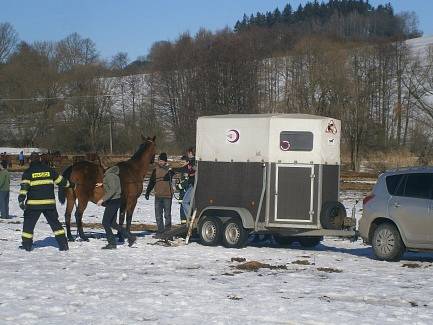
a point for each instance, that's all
(234, 297)
(255, 266)
(302, 262)
(329, 270)
(411, 265)
(238, 259)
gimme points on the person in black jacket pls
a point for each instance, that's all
(190, 169)
(37, 196)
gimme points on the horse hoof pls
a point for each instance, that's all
(84, 239)
(71, 239)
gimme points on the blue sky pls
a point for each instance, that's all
(133, 25)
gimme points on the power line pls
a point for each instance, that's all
(73, 97)
(50, 98)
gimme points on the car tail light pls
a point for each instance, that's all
(368, 198)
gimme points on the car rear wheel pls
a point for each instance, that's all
(210, 231)
(234, 234)
(387, 243)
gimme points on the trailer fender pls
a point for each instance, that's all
(229, 212)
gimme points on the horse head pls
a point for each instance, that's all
(146, 151)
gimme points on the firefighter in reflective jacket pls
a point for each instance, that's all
(37, 196)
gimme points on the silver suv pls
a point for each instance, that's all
(398, 213)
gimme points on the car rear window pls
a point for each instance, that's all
(419, 185)
(392, 183)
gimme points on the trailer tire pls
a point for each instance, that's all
(283, 241)
(210, 230)
(234, 234)
(332, 215)
(310, 242)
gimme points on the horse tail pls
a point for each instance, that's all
(62, 191)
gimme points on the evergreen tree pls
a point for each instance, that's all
(287, 14)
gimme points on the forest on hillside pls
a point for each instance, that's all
(344, 58)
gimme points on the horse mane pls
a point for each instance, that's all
(142, 149)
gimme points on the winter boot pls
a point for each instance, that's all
(110, 246)
(27, 245)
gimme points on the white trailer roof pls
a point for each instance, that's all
(280, 138)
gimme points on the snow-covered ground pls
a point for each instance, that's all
(195, 284)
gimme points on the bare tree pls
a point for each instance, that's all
(8, 40)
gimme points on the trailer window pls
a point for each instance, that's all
(296, 141)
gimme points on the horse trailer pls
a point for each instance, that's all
(268, 173)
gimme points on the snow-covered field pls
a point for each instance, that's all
(195, 284)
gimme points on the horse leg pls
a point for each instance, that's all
(70, 200)
(121, 221)
(82, 204)
(130, 206)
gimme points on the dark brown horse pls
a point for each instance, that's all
(87, 174)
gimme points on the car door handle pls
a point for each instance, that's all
(396, 205)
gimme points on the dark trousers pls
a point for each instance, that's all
(109, 220)
(163, 211)
(4, 204)
(31, 217)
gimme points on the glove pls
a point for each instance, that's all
(22, 206)
(146, 196)
(72, 185)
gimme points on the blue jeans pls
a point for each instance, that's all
(4, 204)
(163, 211)
(186, 201)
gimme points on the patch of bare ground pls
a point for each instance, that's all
(234, 297)
(255, 266)
(353, 175)
(238, 259)
(134, 227)
(353, 186)
(302, 262)
(411, 265)
(329, 270)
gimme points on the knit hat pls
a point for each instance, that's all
(163, 156)
(34, 156)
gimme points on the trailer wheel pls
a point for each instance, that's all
(310, 242)
(234, 234)
(332, 215)
(210, 230)
(283, 240)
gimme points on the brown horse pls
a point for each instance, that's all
(87, 174)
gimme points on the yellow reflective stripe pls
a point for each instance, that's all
(58, 180)
(41, 182)
(41, 202)
(23, 192)
(59, 232)
(41, 174)
(27, 235)
(25, 181)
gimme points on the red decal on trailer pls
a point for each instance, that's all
(233, 136)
